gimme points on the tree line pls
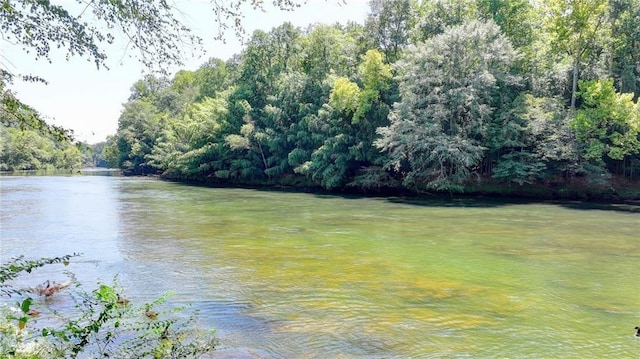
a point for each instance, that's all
(426, 95)
(30, 149)
(25, 148)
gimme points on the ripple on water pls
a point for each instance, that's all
(292, 275)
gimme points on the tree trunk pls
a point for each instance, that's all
(574, 85)
(264, 159)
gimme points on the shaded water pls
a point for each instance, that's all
(294, 275)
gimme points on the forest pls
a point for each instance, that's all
(425, 96)
(32, 149)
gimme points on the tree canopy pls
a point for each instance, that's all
(442, 96)
(437, 129)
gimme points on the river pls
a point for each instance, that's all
(299, 275)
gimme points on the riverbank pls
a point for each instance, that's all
(616, 190)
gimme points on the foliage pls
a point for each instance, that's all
(446, 86)
(328, 49)
(486, 88)
(352, 116)
(575, 27)
(18, 266)
(14, 113)
(93, 155)
(625, 63)
(388, 24)
(519, 167)
(28, 149)
(434, 17)
(187, 147)
(552, 140)
(105, 325)
(139, 127)
(608, 122)
(345, 96)
(426, 98)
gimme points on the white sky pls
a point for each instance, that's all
(89, 101)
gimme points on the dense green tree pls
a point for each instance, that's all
(608, 123)
(447, 84)
(266, 56)
(519, 22)
(375, 76)
(255, 140)
(625, 42)
(211, 78)
(351, 117)
(29, 149)
(24, 150)
(34, 146)
(388, 24)
(576, 27)
(553, 139)
(516, 19)
(290, 112)
(138, 129)
(432, 17)
(528, 138)
(93, 155)
(149, 87)
(345, 96)
(329, 163)
(313, 107)
(328, 50)
(192, 146)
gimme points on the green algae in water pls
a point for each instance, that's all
(436, 279)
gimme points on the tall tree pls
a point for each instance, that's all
(388, 23)
(29, 149)
(576, 27)
(516, 19)
(328, 49)
(192, 146)
(139, 126)
(432, 17)
(446, 84)
(608, 122)
(352, 117)
(625, 26)
(519, 22)
(212, 77)
(149, 87)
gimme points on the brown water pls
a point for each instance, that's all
(294, 275)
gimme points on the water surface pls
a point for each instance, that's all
(297, 275)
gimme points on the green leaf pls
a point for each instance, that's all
(26, 304)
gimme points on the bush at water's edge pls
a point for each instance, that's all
(104, 324)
